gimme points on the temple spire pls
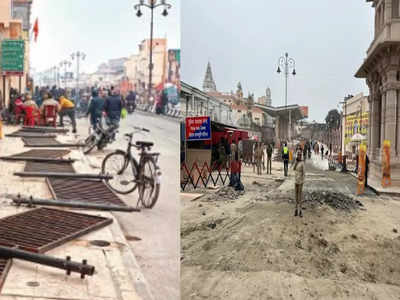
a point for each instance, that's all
(208, 83)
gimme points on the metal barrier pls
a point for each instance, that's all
(200, 177)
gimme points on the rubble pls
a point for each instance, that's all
(335, 200)
(224, 194)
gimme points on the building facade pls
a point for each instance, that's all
(381, 69)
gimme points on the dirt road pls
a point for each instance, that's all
(251, 247)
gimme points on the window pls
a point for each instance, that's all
(395, 8)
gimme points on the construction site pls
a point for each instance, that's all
(248, 244)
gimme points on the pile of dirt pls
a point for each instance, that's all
(226, 193)
(336, 200)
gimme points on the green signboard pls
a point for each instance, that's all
(12, 57)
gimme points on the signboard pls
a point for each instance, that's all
(198, 128)
(304, 111)
(12, 57)
(386, 180)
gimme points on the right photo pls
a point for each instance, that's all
(290, 138)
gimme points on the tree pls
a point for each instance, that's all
(332, 122)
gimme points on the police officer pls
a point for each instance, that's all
(285, 157)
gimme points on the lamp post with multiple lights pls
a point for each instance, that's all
(65, 63)
(152, 4)
(78, 55)
(287, 63)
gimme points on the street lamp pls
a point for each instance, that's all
(65, 63)
(287, 64)
(152, 4)
(78, 55)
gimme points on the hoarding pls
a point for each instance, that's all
(198, 128)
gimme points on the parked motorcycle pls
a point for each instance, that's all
(99, 137)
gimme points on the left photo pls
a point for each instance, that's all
(89, 144)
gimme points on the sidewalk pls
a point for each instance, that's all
(117, 274)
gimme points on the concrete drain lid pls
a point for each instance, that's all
(100, 243)
(33, 283)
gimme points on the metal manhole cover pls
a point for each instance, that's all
(29, 141)
(20, 133)
(5, 265)
(42, 229)
(100, 243)
(43, 153)
(82, 190)
(33, 166)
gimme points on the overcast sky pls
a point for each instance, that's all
(103, 29)
(243, 40)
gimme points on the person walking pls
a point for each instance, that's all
(259, 155)
(322, 151)
(113, 106)
(285, 157)
(67, 108)
(95, 109)
(366, 169)
(299, 181)
(305, 151)
(269, 158)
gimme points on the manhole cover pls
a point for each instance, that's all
(132, 238)
(100, 243)
(33, 283)
(42, 229)
(29, 141)
(83, 190)
(5, 265)
(33, 166)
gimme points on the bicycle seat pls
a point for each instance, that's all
(144, 144)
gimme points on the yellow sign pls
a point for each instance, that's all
(355, 123)
(361, 169)
(386, 180)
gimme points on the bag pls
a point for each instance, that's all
(124, 113)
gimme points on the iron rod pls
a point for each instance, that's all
(38, 159)
(73, 203)
(64, 264)
(62, 175)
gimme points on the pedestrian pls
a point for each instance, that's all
(322, 151)
(285, 157)
(305, 152)
(269, 158)
(240, 148)
(366, 169)
(113, 106)
(299, 181)
(330, 149)
(259, 155)
(67, 108)
(221, 154)
(95, 109)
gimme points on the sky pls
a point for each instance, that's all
(102, 29)
(243, 41)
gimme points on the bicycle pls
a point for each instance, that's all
(99, 137)
(128, 174)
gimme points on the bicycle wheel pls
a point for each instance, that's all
(124, 172)
(90, 143)
(149, 187)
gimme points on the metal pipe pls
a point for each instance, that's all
(21, 135)
(63, 175)
(39, 159)
(54, 145)
(64, 264)
(18, 200)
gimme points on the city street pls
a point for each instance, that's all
(153, 234)
(250, 246)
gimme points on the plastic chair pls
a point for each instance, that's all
(19, 113)
(29, 119)
(50, 115)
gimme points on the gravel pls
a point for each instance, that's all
(335, 200)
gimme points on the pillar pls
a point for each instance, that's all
(391, 118)
(382, 119)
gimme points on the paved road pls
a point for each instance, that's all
(158, 250)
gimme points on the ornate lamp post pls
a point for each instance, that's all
(65, 63)
(152, 4)
(287, 64)
(78, 55)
